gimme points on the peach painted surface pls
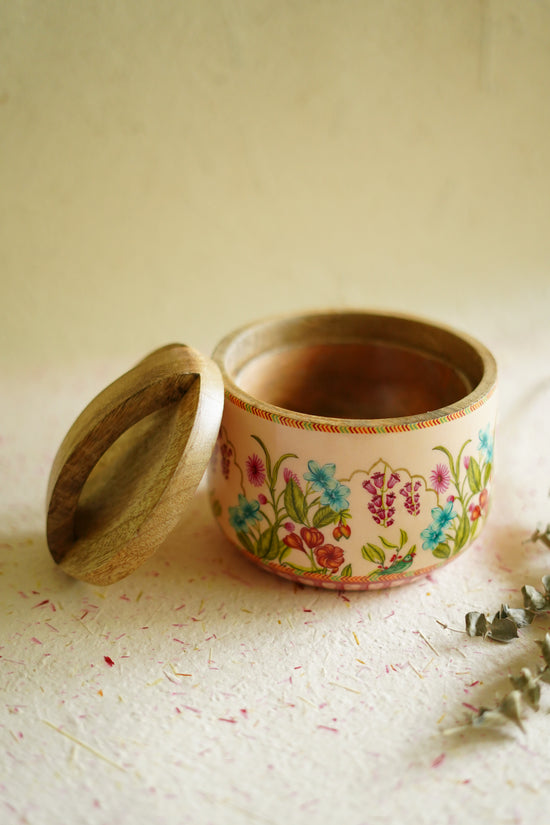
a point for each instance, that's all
(357, 510)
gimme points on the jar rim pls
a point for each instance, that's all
(459, 352)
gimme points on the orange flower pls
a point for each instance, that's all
(293, 540)
(340, 530)
(475, 512)
(312, 536)
(330, 557)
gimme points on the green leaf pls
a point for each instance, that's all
(247, 543)
(268, 544)
(447, 453)
(325, 516)
(474, 475)
(267, 457)
(442, 551)
(462, 533)
(346, 572)
(373, 553)
(387, 544)
(275, 546)
(487, 473)
(284, 554)
(295, 502)
(404, 538)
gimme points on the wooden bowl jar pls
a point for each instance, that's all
(356, 449)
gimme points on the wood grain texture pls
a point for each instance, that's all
(131, 462)
(350, 366)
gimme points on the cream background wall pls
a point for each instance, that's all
(169, 170)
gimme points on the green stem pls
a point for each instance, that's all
(267, 518)
(300, 569)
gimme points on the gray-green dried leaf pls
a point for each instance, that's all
(543, 537)
(503, 630)
(509, 710)
(529, 687)
(489, 718)
(511, 707)
(545, 648)
(533, 600)
(520, 616)
(476, 624)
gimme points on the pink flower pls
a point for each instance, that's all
(255, 470)
(412, 497)
(466, 460)
(262, 499)
(483, 499)
(289, 525)
(393, 479)
(440, 478)
(288, 474)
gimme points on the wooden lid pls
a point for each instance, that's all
(131, 463)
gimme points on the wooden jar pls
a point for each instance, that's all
(355, 451)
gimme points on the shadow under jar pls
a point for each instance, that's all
(356, 449)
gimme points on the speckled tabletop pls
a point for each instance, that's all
(202, 690)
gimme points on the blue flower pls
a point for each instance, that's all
(335, 497)
(432, 535)
(245, 515)
(237, 520)
(321, 477)
(485, 445)
(250, 509)
(443, 516)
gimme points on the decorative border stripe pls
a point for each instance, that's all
(317, 426)
(345, 582)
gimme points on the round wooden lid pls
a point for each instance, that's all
(131, 463)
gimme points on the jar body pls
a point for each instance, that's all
(352, 506)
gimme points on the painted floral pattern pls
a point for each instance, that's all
(292, 513)
(457, 521)
(297, 514)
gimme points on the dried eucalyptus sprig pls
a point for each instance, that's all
(505, 623)
(544, 537)
(501, 629)
(529, 686)
(534, 600)
(526, 688)
(525, 694)
(510, 709)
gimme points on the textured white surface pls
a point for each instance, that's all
(169, 171)
(237, 697)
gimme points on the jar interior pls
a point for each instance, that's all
(353, 366)
(352, 381)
